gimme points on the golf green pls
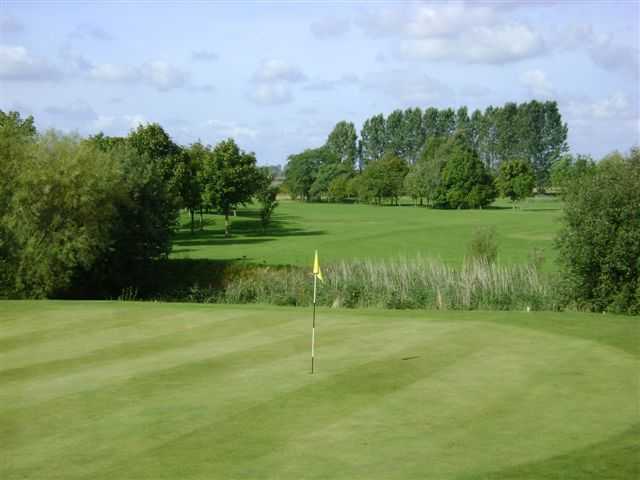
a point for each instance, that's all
(107, 390)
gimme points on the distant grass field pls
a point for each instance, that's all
(105, 390)
(354, 231)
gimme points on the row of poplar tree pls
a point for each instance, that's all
(94, 213)
(417, 151)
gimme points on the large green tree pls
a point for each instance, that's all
(231, 178)
(266, 195)
(383, 179)
(515, 180)
(17, 136)
(464, 182)
(372, 140)
(599, 243)
(302, 170)
(342, 142)
(61, 213)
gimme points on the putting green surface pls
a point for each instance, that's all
(105, 390)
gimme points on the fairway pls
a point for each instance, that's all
(104, 390)
(358, 231)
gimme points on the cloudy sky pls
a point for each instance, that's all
(278, 75)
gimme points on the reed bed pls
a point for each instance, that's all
(416, 283)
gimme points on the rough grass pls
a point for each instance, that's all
(353, 231)
(105, 390)
(400, 284)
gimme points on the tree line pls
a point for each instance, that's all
(96, 211)
(409, 152)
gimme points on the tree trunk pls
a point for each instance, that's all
(201, 219)
(226, 223)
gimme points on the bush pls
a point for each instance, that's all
(484, 246)
(599, 243)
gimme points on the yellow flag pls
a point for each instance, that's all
(316, 267)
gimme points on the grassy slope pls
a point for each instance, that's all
(364, 231)
(110, 390)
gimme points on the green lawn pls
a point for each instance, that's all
(105, 390)
(349, 231)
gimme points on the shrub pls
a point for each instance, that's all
(484, 246)
(599, 243)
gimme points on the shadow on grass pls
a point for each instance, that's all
(245, 230)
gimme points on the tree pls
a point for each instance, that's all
(413, 134)
(188, 177)
(156, 145)
(463, 123)
(464, 183)
(342, 142)
(430, 123)
(516, 180)
(339, 189)
(445, 123)
(61, 213)
(230, 177)
(394, 133)
(266, 195)
(17, 136)
(599, 243)
(302, 170)
(568, 168)
(372, 140)
(327, 173)
(383, 179)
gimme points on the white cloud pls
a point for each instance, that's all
(109, 72)
(135, 121)
(104, 122)
(326, 85)
(278, 71)
(617, 105)
(158, 74)
(117, 124)
(74, 60)
(445, 20)
(480, 44)
(603, 49)
(75, 113)
(272, 82)
(467, 33)
(268, 94)
(16, 63)
(537, 84)
(407, 87)
(231, 129)
(329, 27)
(164, 76)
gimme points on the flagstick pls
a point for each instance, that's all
(313, 327)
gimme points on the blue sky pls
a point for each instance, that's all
(277, 76)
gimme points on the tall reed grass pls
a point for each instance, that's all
(416, 283)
